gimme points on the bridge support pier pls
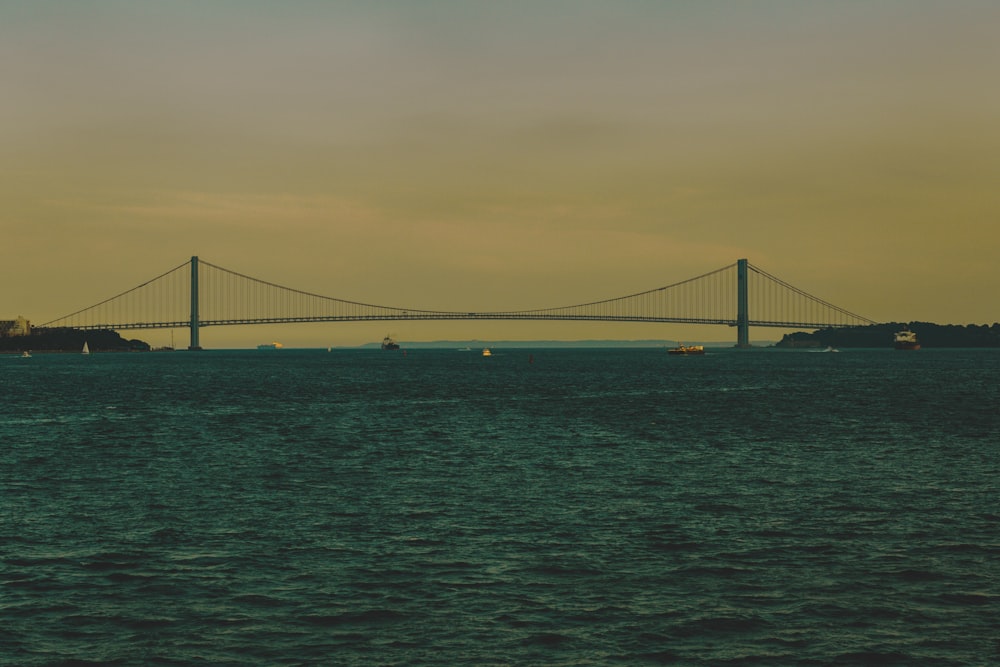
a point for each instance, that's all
(195, 344)
(742, 306)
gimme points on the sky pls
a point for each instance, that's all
(464, 155)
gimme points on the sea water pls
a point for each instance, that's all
(536, 507)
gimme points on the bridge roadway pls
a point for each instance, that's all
(445, 315)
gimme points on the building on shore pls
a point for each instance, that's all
(18, 327)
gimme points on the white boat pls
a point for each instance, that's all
(86, 348)
(906, 340)
(26, 355)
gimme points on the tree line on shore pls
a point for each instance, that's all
(882, 335)
(66, 339)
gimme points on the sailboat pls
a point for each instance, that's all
(86, 348)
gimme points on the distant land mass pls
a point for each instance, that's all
(71, 340)
(870, 336)
(595, 343)
(881, 335)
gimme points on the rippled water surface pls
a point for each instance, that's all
(437, 507)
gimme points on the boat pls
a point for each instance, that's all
(486, 352)
(26, 355)
(389, 344)
(270, 346)
(687, 349)
(86, 348)
(906, 340)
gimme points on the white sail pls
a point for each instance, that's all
(86, 348)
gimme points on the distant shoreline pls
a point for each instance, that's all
(589, 343)
(70, 340)
(881, 335)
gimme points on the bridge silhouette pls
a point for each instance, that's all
(198, 294)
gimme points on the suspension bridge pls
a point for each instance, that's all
(198, 294)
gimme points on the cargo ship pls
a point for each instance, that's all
(389, 344)
(270, 346)
(906, 340)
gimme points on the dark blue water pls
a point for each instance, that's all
(440, 508)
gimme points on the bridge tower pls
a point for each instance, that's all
(742, 306)
(195, 344)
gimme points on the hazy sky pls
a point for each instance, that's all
(468, 155)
